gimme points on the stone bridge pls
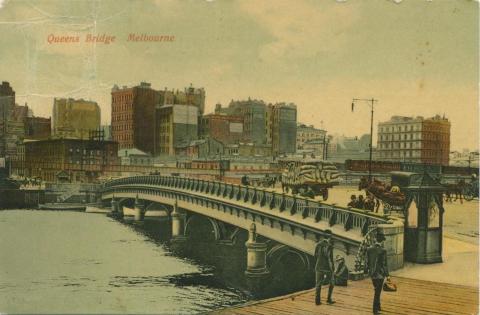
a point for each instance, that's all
(294, 223)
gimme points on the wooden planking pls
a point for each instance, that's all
(413, 297)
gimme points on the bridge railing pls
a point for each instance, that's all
(263, 198)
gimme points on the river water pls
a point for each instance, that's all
(71, 262)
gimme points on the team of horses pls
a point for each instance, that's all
(452, 191)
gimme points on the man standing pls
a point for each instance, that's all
(324, 267)
(376, 267)
(341, 273)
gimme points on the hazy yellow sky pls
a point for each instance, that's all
(417, 57)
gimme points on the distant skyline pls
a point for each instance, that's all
(419, 58)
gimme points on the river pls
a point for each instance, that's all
(73, 262)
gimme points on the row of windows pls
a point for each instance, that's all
(399, 154)
(122, 97)
(401, 128)
(123, 137)
(399, 145)
(122, 127)
(122, 117)
(411, 136)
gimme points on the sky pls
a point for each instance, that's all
(418, 58)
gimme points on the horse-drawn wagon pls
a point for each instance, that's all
(309, 177)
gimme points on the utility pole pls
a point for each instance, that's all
(370, 102)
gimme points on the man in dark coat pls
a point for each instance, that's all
(353, 201)
(360, 202)
(341, 273)
(324, 267)
(376, 267)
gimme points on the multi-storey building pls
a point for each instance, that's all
(177, 126)
(284, 128)
(74, 119)
(134, 113)
(254, 118)
(190, 96)
(15, 128)
(224, 128)
(309, 133)
(409, 139)
(37, 128)
(83, 160)
(7, 102)
(133, 117)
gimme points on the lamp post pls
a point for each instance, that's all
(370, 102)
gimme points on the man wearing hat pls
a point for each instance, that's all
(376, 267)
(324, 267)
(341, 273)
(353, 201)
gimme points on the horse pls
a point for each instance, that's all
(456, 189)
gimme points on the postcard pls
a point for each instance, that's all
(239, 157)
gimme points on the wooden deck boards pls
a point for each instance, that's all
(413, 297)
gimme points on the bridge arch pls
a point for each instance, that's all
(202, 227)
(289, 268)
(279, 251)
(127, 202)
(155, 206)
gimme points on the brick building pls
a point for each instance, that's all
(83, 160)
(224, 128)
(409, 139)
(74, 118)
(133, 117)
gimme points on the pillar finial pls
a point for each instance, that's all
(252, 234)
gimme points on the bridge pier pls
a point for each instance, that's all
(117, 209)
(114, 205)
(257, 271)
(178, 224)
(139, 208)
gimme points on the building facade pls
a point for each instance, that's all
(254, 118)
(135, 157)
(7, 102)
(224, 128)
(38, 128)
(133, 117)
(83, 160)
(74, 119)
(284, 128)
(414, 139)
(201, 149)
(308, 133)
(177, 126)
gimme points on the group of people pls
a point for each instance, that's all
(368, 203)
(375, 267)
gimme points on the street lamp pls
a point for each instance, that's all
(370, 102)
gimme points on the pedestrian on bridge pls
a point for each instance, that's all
(376, 267)
(324, 267)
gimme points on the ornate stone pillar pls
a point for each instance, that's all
(114, 205)
(257, 271)
(139, 210)
(178, 224)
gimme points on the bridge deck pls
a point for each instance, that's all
(413, 297)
